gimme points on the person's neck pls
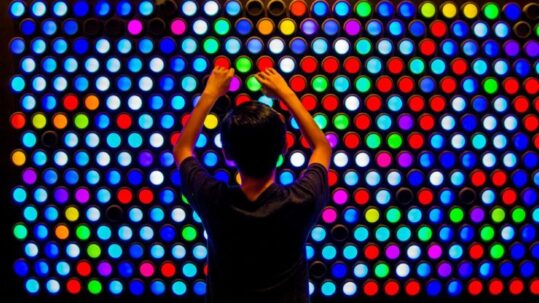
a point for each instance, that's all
(254, 187)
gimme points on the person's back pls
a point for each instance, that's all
(257, 231)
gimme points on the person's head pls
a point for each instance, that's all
(253, 136)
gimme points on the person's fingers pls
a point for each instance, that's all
(230, 72)
(261, 74)
(260, 79)
(272, 70)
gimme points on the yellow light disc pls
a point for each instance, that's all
(372, 215)
(238, 178)
(91, 102)
(39, 121)
(211, 121)
(59, 121)
(470, 10)
(449, 10)
(72, 214)
(61, 231)
(18, 157)
(287, 27)
(265, 26)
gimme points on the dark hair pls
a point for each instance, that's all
(253, 135)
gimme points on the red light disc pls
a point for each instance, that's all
(298, 8)
(309, 64)
(427, 47)
(373, 102)
(362, 121)
(406, 84)
(309, 101)
(71, 102)
(352, 65)
(298, 83)
(416, 103)
(511, 85)
(384, 84)
(330, 102)
(459, 66)
(264, 62)
(18, 120)
(351, 140)
(221, 61)
(361, 196)
(438, 28)
(330, 64)
(395, 65)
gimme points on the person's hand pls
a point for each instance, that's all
(219, 81)
(273, 84)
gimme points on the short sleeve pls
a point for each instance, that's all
(313, 183)
(198, 186)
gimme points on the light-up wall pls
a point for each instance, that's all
(431, 109)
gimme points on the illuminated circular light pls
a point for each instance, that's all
(298, 45)
(135, 27)
(244, 26)
(309, 26)
(39, 8)
(385, 9)
(384, 46)
(211, 8)
(276, 45)
(221, 26)
(319, 45)
(265, 26)
(178, 27)
(145, 8)
(232, 45)
(427, 9)
(330, 27)
(406, 47)
(287, 64)
(200, 27)
(363, 9)
(211, 45)
(320, 8)
(287, 26)
(189, 8)
(491, 10)
(470, 10)
(17, 9)
(341, 8)
(233, 7)
(512, 11)
(374, 27)
(102, 8)
(449, 9)
(255, 45)
(319, 83)
(253, 84)
(341, 46)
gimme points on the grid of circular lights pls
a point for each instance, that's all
(432, 111)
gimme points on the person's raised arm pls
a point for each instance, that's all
(274, 84)
(217, 85)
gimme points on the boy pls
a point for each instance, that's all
(257, 231)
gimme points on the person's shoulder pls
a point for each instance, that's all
(191, 160)
(317, 166)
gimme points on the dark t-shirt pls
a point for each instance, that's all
(256, 249)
